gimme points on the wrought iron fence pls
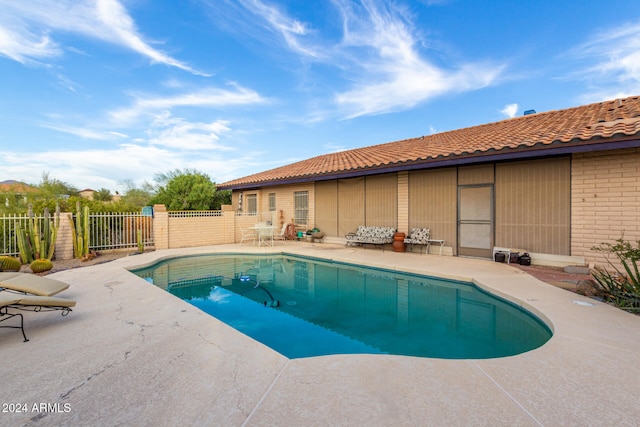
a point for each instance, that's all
(9, 225)
(106, 231)
(119, 230)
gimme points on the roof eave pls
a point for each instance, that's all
(519, 153)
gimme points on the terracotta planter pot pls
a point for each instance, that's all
(398, 242)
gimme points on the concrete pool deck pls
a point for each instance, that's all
(132, 354)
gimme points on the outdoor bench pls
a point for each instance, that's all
(422, 237)
(371, 235)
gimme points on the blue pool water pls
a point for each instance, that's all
(304, 307)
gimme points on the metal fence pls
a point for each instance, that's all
(119, 230)
(9, 224)
(106, 231)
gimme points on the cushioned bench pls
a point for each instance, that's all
(422, 237)
(371, 236)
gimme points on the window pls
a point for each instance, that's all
(301, 207)
(252, 204)
(272, 202)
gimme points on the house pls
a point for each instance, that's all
(552, 183)
(15, 192)
(87, 193)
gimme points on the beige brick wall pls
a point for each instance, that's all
(605, 200)
(403, 202)
(187, 232)
(160, 227)
(64, 239)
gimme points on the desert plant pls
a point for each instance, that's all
(139, 240)
(41, 265)
(80, 232)
(621, 285)
(34, 243)
(9, 263)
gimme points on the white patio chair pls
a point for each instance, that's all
(247, 235)
(282, 234)
(265, 235)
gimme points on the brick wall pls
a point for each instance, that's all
(605, 200)
(184, 232)
(403, 202)
(64, 239)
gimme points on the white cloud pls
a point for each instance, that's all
(177, 133)
(25, 47)
(206, 97)
(32, 23)
(332, 147)
(510, 110)
(378, 55)
(395, 77)
(290, 29)
(613, 56)
(82, 132)
(85, 168)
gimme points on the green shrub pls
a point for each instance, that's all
(621, 284)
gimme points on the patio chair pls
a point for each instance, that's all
(420, 237)
(283, 233)
(265, 235)
(30, 303)
(247, 235)
(25, 283)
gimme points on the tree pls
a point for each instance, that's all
(103, 195)
(52, 188)
(185, 189)
(137, 196)
(222, 197)
(51, 192)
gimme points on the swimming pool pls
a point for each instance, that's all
(304, 307)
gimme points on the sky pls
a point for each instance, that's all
(100, 93)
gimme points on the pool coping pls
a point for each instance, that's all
(131, 353)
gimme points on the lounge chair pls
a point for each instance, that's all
(26, 283)
(30, 303)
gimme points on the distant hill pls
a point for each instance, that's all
(13, 186)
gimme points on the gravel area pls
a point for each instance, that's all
(67, 264)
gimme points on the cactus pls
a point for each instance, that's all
(9, 263)
(34, 243)
(24, 245)
(80, 232)
(140, 241)
(41, 265)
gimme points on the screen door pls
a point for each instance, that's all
(475, 221)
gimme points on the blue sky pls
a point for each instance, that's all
(98, 92)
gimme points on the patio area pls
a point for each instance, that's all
(132, 354)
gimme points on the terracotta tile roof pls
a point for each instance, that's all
(598, 123)
(15, 187)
